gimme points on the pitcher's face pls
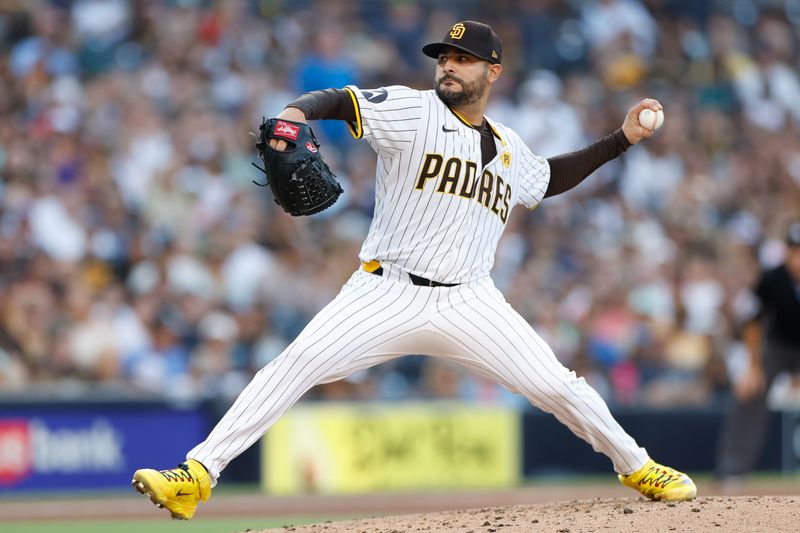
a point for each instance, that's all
(461, 78)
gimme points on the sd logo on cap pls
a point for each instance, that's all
(457, 31)
(470, 36)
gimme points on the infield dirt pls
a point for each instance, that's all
(738, 514)
(767, 504)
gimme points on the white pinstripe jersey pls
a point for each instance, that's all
(437, 214)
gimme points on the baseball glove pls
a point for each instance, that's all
(301, 182)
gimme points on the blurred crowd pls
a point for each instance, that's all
(136, 254)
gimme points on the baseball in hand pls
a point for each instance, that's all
(652, 120)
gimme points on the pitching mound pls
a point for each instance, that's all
(768, 514)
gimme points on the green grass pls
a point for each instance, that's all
(197, 525)
(157, 524)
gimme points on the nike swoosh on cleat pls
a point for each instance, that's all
(446, 130)
(180, 493)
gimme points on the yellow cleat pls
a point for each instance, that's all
(659, 482)
(179, 489)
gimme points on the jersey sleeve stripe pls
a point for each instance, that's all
(356, 130)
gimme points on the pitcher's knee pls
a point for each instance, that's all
(296, 358)
(556, 390)
(307, 356)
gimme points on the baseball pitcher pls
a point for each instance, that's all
(447, 178)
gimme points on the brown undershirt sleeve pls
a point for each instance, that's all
(334, 104)
(568, 170)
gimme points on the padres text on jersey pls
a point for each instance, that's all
(437, 214)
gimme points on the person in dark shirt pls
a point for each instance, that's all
(772, 338)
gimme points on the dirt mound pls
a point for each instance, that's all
(768, 514)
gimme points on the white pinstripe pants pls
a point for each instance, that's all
(374, 319)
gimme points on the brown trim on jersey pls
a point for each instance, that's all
(488, 149)
(461, 118)
(488, 146)
(494, 131)
(485, 122)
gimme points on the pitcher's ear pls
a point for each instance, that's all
(494, 72)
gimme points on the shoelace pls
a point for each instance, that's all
(173, 475)
(660, 477)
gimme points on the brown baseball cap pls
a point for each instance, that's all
(476, 38)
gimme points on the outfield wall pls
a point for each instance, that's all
(78, 445)
(348, 447)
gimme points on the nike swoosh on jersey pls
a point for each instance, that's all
(446, 130)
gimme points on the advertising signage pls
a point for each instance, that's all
(87, 446)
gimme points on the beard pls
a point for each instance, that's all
(452, 96)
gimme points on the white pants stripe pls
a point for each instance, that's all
(374, 319)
